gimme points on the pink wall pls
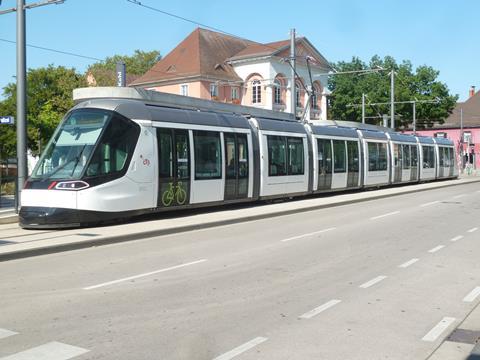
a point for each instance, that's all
(455, 135)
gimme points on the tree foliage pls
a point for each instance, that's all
(421, 84)
(49, 97)
(137, 64)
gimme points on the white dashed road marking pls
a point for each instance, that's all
(384, 215)
(50, 351)
(306, 235)
(472, 295)
(456, 238)
(241, 349)
(143, 275)
(408, 263)
(436, 248)
(433, 334)
(318, 310)
(4, 333)
(373, 281)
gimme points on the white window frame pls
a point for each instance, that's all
(184, 89)
(213, 90)
(256, 92)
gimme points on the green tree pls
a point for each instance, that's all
(49, 97)
(137, 64)
(421, 84)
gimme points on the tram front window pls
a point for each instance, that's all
(69, 149)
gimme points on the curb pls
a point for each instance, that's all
(50, 249)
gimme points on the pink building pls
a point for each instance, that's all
(465, 119)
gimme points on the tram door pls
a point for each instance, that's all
(414, 162)
(397, 163)
(353, 163)
(173, 167)
(236, 163)
(324, 164)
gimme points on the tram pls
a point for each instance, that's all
(122, 152)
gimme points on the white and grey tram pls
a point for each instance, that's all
(122, 152)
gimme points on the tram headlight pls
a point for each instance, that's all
(72, 185)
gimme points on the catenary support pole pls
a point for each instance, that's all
(22, 170)
(293, 89)
(363, 108)
(392, 99)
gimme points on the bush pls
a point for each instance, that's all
(7, 188)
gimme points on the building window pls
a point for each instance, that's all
(214, 91)
(297, 94)
(234, 93)
(277, 94)
(256, 92)
(440, 135)
(467, 137)
(208, 155)
(184, 89)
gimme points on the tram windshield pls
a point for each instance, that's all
(68, 151)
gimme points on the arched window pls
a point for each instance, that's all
(316, 96)
(256, 92)
(277, 93)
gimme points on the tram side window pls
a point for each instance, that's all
(406, 157)
(353, 160)
(295, 156)
(208, 155)
(277, 156)
(339, 156)
(114, 149)
(165, 158)
(428, 153)
(441, 156)
(377, 156)
(285, 156)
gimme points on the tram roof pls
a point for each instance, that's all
(334, 131)
(158, 99)
(399, 137)
(443, 141)
(372, 134)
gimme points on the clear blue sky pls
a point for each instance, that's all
(439, 33)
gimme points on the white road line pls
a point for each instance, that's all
(241, 349)
(384, 215)
(4, 333)
(472, 295)
(50, 351)
(436, 248)
(433, 334)
(309, 234)
(472, 230)
(318, 310)
(373, 281)
(408, 263)
(459, 196)
(456, 238)
(143, 275)
(430, 203)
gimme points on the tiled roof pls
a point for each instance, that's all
(261, 49)
(471, 114)
(202, 53)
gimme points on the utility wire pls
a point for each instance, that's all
(53, 50)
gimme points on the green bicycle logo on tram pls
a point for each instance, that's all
(174, 192)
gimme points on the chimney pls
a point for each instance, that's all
(472, 91)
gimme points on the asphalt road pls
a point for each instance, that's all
(384, 279)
